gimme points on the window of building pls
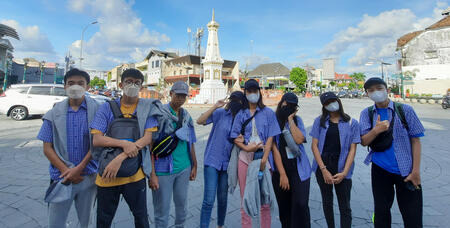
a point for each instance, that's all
(157, 63)
(153, 64)
(431, 54)
(174, 73)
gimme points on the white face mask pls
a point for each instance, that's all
(332, 107)
(378, 96)
(75, 92)
(131, 90)
(253, 98)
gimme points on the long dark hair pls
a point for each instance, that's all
(326, 113)
(260, 103)
(282, 121)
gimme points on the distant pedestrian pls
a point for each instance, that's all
(255, 122)
(171, 174)
(123, 129)
(393, 131)
(217, 155)
(67, 145)
(335, 136)
(290, 165)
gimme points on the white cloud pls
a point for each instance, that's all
(33, 43)
(122, 37)
(376, 36)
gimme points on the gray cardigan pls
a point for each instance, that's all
(58, 117)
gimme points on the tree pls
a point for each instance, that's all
(351, 85)
(97, 82)
(358, 77)
(298, 76)
(332, 83)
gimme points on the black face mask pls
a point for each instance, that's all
(235, 107)
(286, 111)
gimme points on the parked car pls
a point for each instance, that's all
(343, 94)
(23, 100)
(355, 94)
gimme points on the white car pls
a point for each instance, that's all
(23, 100)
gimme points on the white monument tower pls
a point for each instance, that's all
(212, 89)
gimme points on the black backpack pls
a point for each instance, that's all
(124, 129)
(167, 143)
(383, 141)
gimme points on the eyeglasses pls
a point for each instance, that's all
(136, 83)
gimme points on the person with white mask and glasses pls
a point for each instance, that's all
(392, 131)
(123, 129)
(335, 136)
(67, 145)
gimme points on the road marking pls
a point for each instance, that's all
(432, 126)
(31, 143)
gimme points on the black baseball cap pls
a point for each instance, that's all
(374, 81)
(251, 84)
(237, 95)
(327, 96)
(290, 98)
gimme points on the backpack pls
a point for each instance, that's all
(166, 144)
(124, 129)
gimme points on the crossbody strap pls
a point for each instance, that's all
(246, 122)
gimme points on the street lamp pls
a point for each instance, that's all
(5, 79)
(42, 67)
(81, 42)
(381, 64)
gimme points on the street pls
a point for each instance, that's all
(24, 175)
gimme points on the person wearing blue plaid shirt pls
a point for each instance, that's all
(396, 168)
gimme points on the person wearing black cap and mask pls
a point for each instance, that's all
(335, 136)
(291, 167)
(393, 131)
(217, 156)
(255, 122)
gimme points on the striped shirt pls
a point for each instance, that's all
(402, 137)
(77, 139)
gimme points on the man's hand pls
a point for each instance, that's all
(284, 182)
(327, 176)
(219, 104)
(153, 183)
(193, 173)
(72, 175)
(292, 116)
(130, 149)
(240, 139)
(338, 178)
(253, 147)
(414, 177)
(113, 167)
(381, 126)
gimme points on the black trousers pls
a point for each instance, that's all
(293, 204)
(135, 194)
(343, 196)
(410, 202)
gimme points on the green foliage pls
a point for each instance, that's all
(358, 76)
(332, 83)
(340, 85)
(318, 84)
(351, 85)
(298, 76)
(97, 82)
(324, 86)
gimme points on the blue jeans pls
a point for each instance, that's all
(215, 181)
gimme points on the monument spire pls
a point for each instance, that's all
(213, 15)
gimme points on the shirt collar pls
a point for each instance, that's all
(390, 105)
(328, 119)
(83, 106)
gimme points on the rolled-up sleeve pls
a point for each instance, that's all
(151, 124)
(101, 119)
(415, 126)
(315, 133)
(364, 122)
(356, 136)
(301, 126)
(236, 128)
(274, 128)
(46, 132)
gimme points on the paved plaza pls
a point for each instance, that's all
(24, 175)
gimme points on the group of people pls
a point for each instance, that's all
(104, 151)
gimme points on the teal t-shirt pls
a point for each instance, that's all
(180, 155)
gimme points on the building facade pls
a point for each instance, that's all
(155, 60)
(271, 75)
(425, 59)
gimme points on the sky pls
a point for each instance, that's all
(295, 33)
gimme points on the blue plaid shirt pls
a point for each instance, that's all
(77, 139)
(402, 137)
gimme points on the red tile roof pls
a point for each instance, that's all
(341, 76)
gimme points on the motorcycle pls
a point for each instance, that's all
(446, 102)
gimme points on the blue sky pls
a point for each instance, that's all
(294, 33)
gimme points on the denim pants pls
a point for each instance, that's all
(177, 184)
(135, 194)
(216, 182)
(83, 194)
